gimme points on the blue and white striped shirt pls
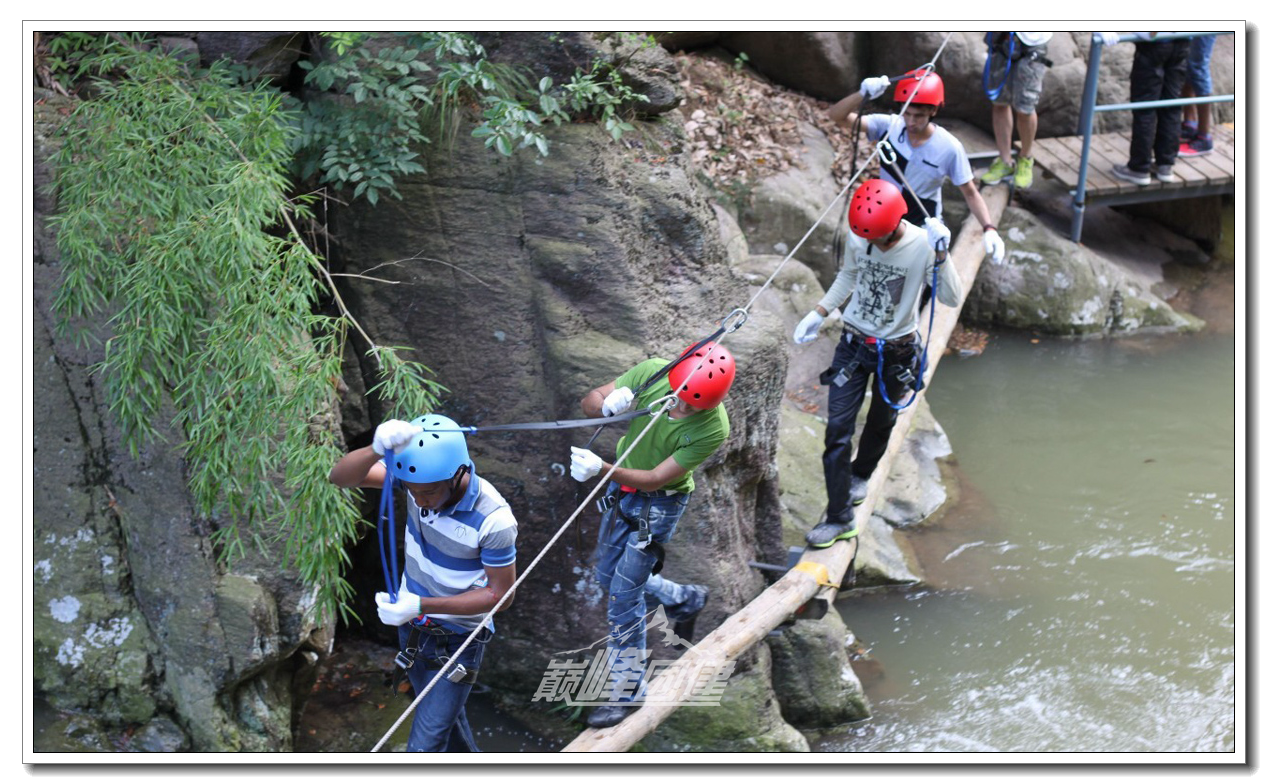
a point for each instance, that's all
(446, 551)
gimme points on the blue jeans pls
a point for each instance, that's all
(1199, 67)
(624, 571)
(440, 720)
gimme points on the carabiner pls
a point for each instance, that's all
(886, 152)
(743, 317)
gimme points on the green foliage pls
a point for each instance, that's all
(173, 218)
(376, 106)
(69, 55)
(601, 93)
(365, 128)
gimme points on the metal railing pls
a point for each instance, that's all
(1089, 108)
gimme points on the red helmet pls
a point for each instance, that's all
(876, 209)
(927, 92)
(711, 382)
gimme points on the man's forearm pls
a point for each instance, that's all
(473, 602)
(352, 468)
(841, 110)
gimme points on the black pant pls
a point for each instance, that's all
(859, 360)
(1158, 72)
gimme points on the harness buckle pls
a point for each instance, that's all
(405, 658)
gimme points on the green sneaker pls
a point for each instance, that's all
(998, 171)
(1025, 175)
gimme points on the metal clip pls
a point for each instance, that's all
(743, 317)
(457, 674)
(605, 502)
(886, 152)
(405, 658)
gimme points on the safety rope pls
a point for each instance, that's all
(733, 321)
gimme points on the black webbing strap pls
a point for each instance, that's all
(558, 424)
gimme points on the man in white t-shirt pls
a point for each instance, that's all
(888, 262)
(926, 153)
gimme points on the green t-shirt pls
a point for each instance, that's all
(689, 440)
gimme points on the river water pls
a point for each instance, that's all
(1081, 594)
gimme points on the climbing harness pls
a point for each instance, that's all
(994, 46)
(408, 655)
(886, 151)
(641, 525)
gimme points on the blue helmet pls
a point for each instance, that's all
(435, 455)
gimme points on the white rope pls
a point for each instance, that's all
(666, 404)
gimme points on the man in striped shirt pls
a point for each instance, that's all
(459, 562)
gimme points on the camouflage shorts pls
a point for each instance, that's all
(1025, 80)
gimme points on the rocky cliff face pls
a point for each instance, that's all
(526, 282)
(133, 617)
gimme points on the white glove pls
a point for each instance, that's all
(938, 235)
(808, 329)
(873, 86)
(393, 434)
(586, 465)
(618, 401)
(994, 246)
(1109, 39)
(403, 610)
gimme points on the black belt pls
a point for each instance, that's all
(407, 656)
(909, 338)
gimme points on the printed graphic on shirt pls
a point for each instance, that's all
(879, 289)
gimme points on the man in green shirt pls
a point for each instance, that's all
(648, 493)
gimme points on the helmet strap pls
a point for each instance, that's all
(456, 482)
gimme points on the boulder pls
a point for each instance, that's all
(161, 735)
(816, 685)
(783, 206)
(747, 719)
(825, 65)
(1049, 284)
(680, 41)
(646, 68)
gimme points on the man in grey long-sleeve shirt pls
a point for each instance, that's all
(887, 264)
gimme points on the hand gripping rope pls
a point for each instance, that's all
(733, 321)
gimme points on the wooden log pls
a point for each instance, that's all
(754, 621)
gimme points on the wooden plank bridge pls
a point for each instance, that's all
(1206, 175)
